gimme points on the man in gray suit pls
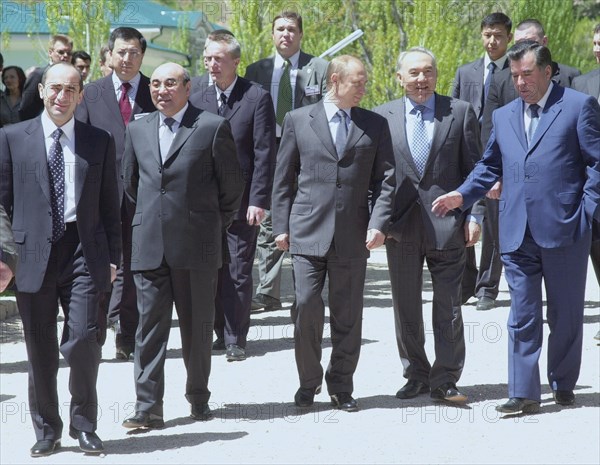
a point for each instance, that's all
(186, 190)
(436, 144)
(332, 200)
(294, 79)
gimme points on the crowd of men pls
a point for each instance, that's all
(135, 194)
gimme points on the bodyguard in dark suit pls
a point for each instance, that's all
(332, 199)
(182, 174)
(548, 141)
(294, 79)
(249, 110)
(107, 105)
(436, 144)
(65, 220)
(472, 84)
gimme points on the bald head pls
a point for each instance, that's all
(170, 88)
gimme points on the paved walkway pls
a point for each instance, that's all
(257, 422)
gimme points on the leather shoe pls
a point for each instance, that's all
(265, 302)
(235, 353)
(201, 412)
(305, 397)
(89, 442)
(144, 420)
(564, 397)
(344, 401)
(412, 389)
(519, 405)
(485, 303)
(44, 447)
(219, 344)
(448, 392)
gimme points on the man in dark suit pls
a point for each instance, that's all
(8, 251)
(65, 221)
(186, 190)
(294, 79)
(590, 84)
(436, 144)
(547, 140)
(59, 51)
(110, 103)
(249, 110)
(332, 200)
(471, 84)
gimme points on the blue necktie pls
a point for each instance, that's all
(535, 119)
(56, 171)
(488, 80)
(420, 145)
(341, 135)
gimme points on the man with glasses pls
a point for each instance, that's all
(110, 103)
(60, 49)
(186, 190)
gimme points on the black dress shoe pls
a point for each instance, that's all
(89, 443)
(412, 389)
(144, 420)
(519, 405)
(123, 352)
(344, 401)
(448, 392)
(486, 303)
(201, 412)
(219, 344)
(44, 447)
(305, 397)
(265, 302)
(564, 397)
(235, 353)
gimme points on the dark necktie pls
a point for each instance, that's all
(488, 80)
(535, 119)
(284, 95)
(223, 107)
(56, 171)
(420, 143)
(124, 104)
(341, 135)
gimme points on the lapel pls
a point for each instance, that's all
(397, 123)
(265, 74)
(186, 128)
(151, 129)
(302, 77)
(320, 126)
(234, 102)
(83, 152)
(551, 110)
(34, 144)
(356, 129)
(143, 101)
(518, 123)
(442, 122)
(109, 97)
(477, 78)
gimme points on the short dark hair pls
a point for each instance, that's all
(1, 61)
(82, 55)
(290, 16)
(543, 57)
(497, 18)
(20, 76)
(218, 33)
(62, 63)
(126, 33)
(527, 23)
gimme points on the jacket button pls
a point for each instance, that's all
(159, 170)
(163, 191)
(339, 185)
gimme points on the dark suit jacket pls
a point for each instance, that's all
(454, 151)
(551, 186)
(100, 108)
(250, 113)
(588, 83)
(311, 71)
(31, 104)
(335, 200)
(199, 84)
(502, 91)
(182, 207)
(8, 249)
(468, 84)
(27, 200)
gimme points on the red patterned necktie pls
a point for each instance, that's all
(124, 104)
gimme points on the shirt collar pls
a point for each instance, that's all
(177, 116)
(500, 62)
(279, 60)
(135, 82)
(49, 127)
(331, 109)
(543, 100)
(429, 104)
(227, 91)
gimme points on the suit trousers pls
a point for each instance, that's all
(563, 270)
(405, 262)
(346, 288)
(270, 260)
(68, 281)
(193, 293)
(595, 250)
(234, 290)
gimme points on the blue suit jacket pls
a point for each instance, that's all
(552, 186)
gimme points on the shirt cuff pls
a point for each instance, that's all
(475, 219)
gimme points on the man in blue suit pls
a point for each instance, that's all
(545, 146)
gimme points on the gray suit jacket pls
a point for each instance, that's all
(588, 83)
(27, 200)
(311, 71)
(319, 199)
(182, 207)
(455, 149)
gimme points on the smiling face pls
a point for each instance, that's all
(418, 76)
(286, 37)
(168, 88)
(495, 40)
(61, 92)
(126, 58)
